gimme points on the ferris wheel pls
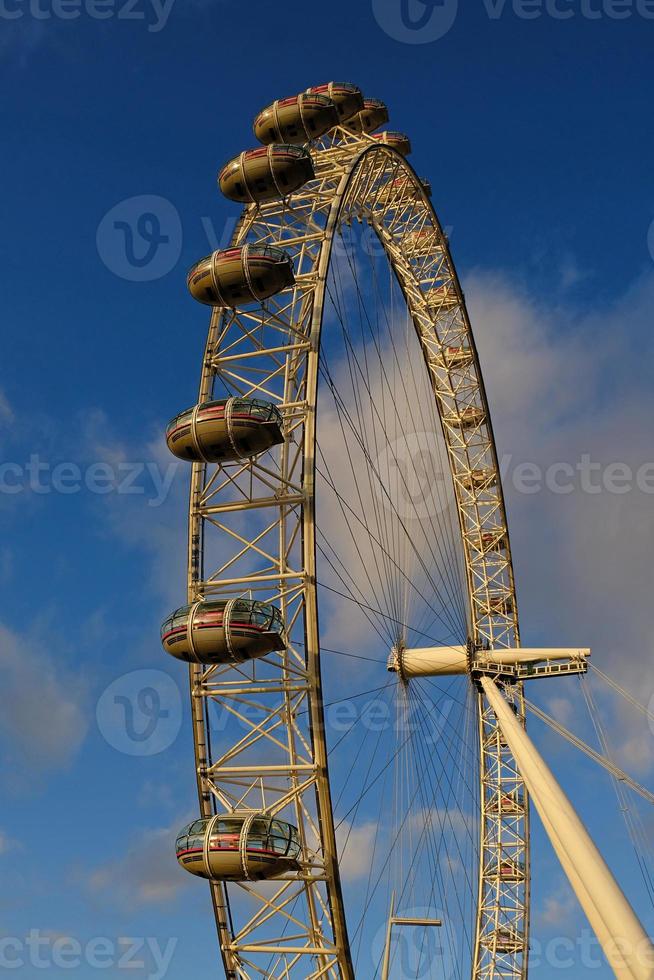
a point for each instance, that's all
(356, 676)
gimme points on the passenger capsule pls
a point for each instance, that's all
(452, 358)
(420, 243)
(468, 418)
(482, 479)
(511, 803)
(490, 541)
(373, 115)
(457, 357)
(239, 846)
(266, 173)
(510, 870)
(235, 276)
(397, 141)
(504, 940)
(303, 117)
(225, 431)
(401, 189)
(223, 631)
(494, 736)
(441, 298)
(347, 98)
(500, 605)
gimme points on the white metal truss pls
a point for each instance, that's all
(251, 530)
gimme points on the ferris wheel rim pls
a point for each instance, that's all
(201, 728)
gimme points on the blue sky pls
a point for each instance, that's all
(535, 135)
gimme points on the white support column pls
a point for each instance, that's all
(626, 945)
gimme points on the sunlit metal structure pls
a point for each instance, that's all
(254, 538)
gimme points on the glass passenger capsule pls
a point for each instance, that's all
(237, 846)
(482, 479)
(509, 870)
(500, 605)
(443, 297)
(348, 98)
(469, 417)
(510, 803)
(223, 631)
(420, 243)
(403, 189)
(456, 357)
(504, 940)
(373, 115)
(234, 276)
(225, 431)
(304, 117)
(490, 541)
(399, 142)
(266, 173)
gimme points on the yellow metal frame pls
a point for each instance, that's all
(281, 710)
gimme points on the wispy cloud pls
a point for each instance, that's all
(355, 845)
(147, 873)
(562, 384)
(558, 908)
(158, 532)
(44, 718)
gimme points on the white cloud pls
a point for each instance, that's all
(355, 846)
(146, 874)
(563, 384)
(563, 709)
(559, 908)
(44, 718)
(132, 518)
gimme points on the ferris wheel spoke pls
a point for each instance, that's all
(387, 499)
(383, 629)
(356, 376)
(430, 832)
(382, 311)
(360, 521)
(445, 615)
(371, 502)
(444, 769)
(347, 512)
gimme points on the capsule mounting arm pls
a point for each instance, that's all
(517, 662)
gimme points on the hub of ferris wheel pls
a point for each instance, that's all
(506, 664)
